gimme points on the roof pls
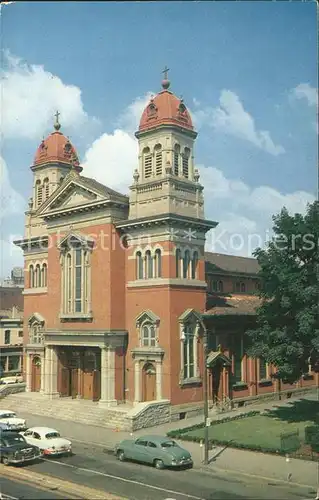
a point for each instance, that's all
(165, 109)
(230, 305)
(154, 437)
(41, 430)
(104, 190)
(222, 263)
(56, 147)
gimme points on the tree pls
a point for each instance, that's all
(287, 330)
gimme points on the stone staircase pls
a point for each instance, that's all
(82, 411)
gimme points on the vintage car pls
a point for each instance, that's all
(10, 419)
(48, 440)
(15, 450)
(16, 379)
(157, 450)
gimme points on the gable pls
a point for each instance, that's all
(78, 196)
(147, 315)
(189, 315)
(36, 318)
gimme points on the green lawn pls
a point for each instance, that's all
(256, 430)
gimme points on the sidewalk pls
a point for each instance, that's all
(255, 465)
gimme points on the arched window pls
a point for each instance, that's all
(189, 351)
(78, 279)
(44, 275)
(38, 193)
(220, 286)
(185, 162)
(237, 287)
(194, 265)
(37, 276)
(158, 160)
(242, 287)
(61, 180)
(46, 188)
(139, 266)
(186, 263)
(178, 257)
(69, 282)
(148, 265)
(147, 163)
(177, 151)
(148, 335)
(158, 263)
(31, 276)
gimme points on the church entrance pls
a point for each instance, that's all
(36, 374)
(79, 374)
(216, 378)
(149, 382)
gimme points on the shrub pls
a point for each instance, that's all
(311, 431)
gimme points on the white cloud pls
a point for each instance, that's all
(130, 118)
(30, 97)
(244, 213)
(10, 255)
(11, 202)
(231, 118)
(305, 91)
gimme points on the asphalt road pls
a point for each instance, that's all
(14, 490)
(96, 467)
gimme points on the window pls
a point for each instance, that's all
(194, 265)
(220, 286)
(237, 350)
(14, 363)
(262, 369)
(158, 160)
(20, 333)
(186, 263)
(178, 257)
(7, 336)
(158, 264)
(147, 161)
(44, 275)
(36, 334)
(148, 335)
(239, 287)
(148, 265)
(242, 287)
(38, 193)
(139, 266)
(31, 276)
(46, 188)
(152, 445)
(141, 442)
(177, 150)
(37, 276)
(76, 279)
(189, 351)
(185, 163)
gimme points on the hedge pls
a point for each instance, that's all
(179, 432)
(311, 432)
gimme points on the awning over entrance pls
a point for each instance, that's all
(215, 356)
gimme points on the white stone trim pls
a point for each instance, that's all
(192, 320)
(107, 377)
(179, 282)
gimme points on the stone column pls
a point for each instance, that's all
(137, 382)
(158, 380)
(28, 372)
(44, 371)
(108, 377)
(50, 372)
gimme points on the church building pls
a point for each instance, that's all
(119, 290)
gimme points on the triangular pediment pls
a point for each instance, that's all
(190, 315)
(36, 318)
(147, 315)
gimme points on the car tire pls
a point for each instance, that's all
(5, 460)
(121, 455)
(159, 464)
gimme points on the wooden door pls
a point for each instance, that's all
(96, 385)
(64, 382)
(36, 374)
(149, 383)
(74, 382)
(216, 376)
(87, 392)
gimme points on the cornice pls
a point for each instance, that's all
(167, 220)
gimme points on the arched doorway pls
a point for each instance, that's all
(36, 374)
(149, 382)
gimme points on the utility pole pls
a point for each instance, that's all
(205, 393)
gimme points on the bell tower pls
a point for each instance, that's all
(166, 180)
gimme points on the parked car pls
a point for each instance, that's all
(15, 450)
(159, 451)
(14, 423)
(48, 440)
(16, 379)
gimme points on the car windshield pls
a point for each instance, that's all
(12, 440)
(52, 435)
(7, 415)
(169, 444)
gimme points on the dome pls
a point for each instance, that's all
(165, 109)
(56, 148)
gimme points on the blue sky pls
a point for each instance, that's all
(247, 71)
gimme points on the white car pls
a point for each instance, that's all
(13, 423)
(48, 440)
(11, 380)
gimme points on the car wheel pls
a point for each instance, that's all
(121, 455)
(5, 460)
(159, 464)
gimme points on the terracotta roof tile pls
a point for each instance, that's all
(232, 305)
(216, 262)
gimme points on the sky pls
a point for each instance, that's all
(247, 72)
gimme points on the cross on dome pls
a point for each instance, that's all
(57, 124)
(165, 82)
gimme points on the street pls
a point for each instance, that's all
(98, 468)
(14, 490)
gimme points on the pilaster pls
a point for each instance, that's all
(108, 377)
(28, 374)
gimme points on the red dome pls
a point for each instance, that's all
(165, 109)
(56, 148)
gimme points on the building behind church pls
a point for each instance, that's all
(118, 289)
